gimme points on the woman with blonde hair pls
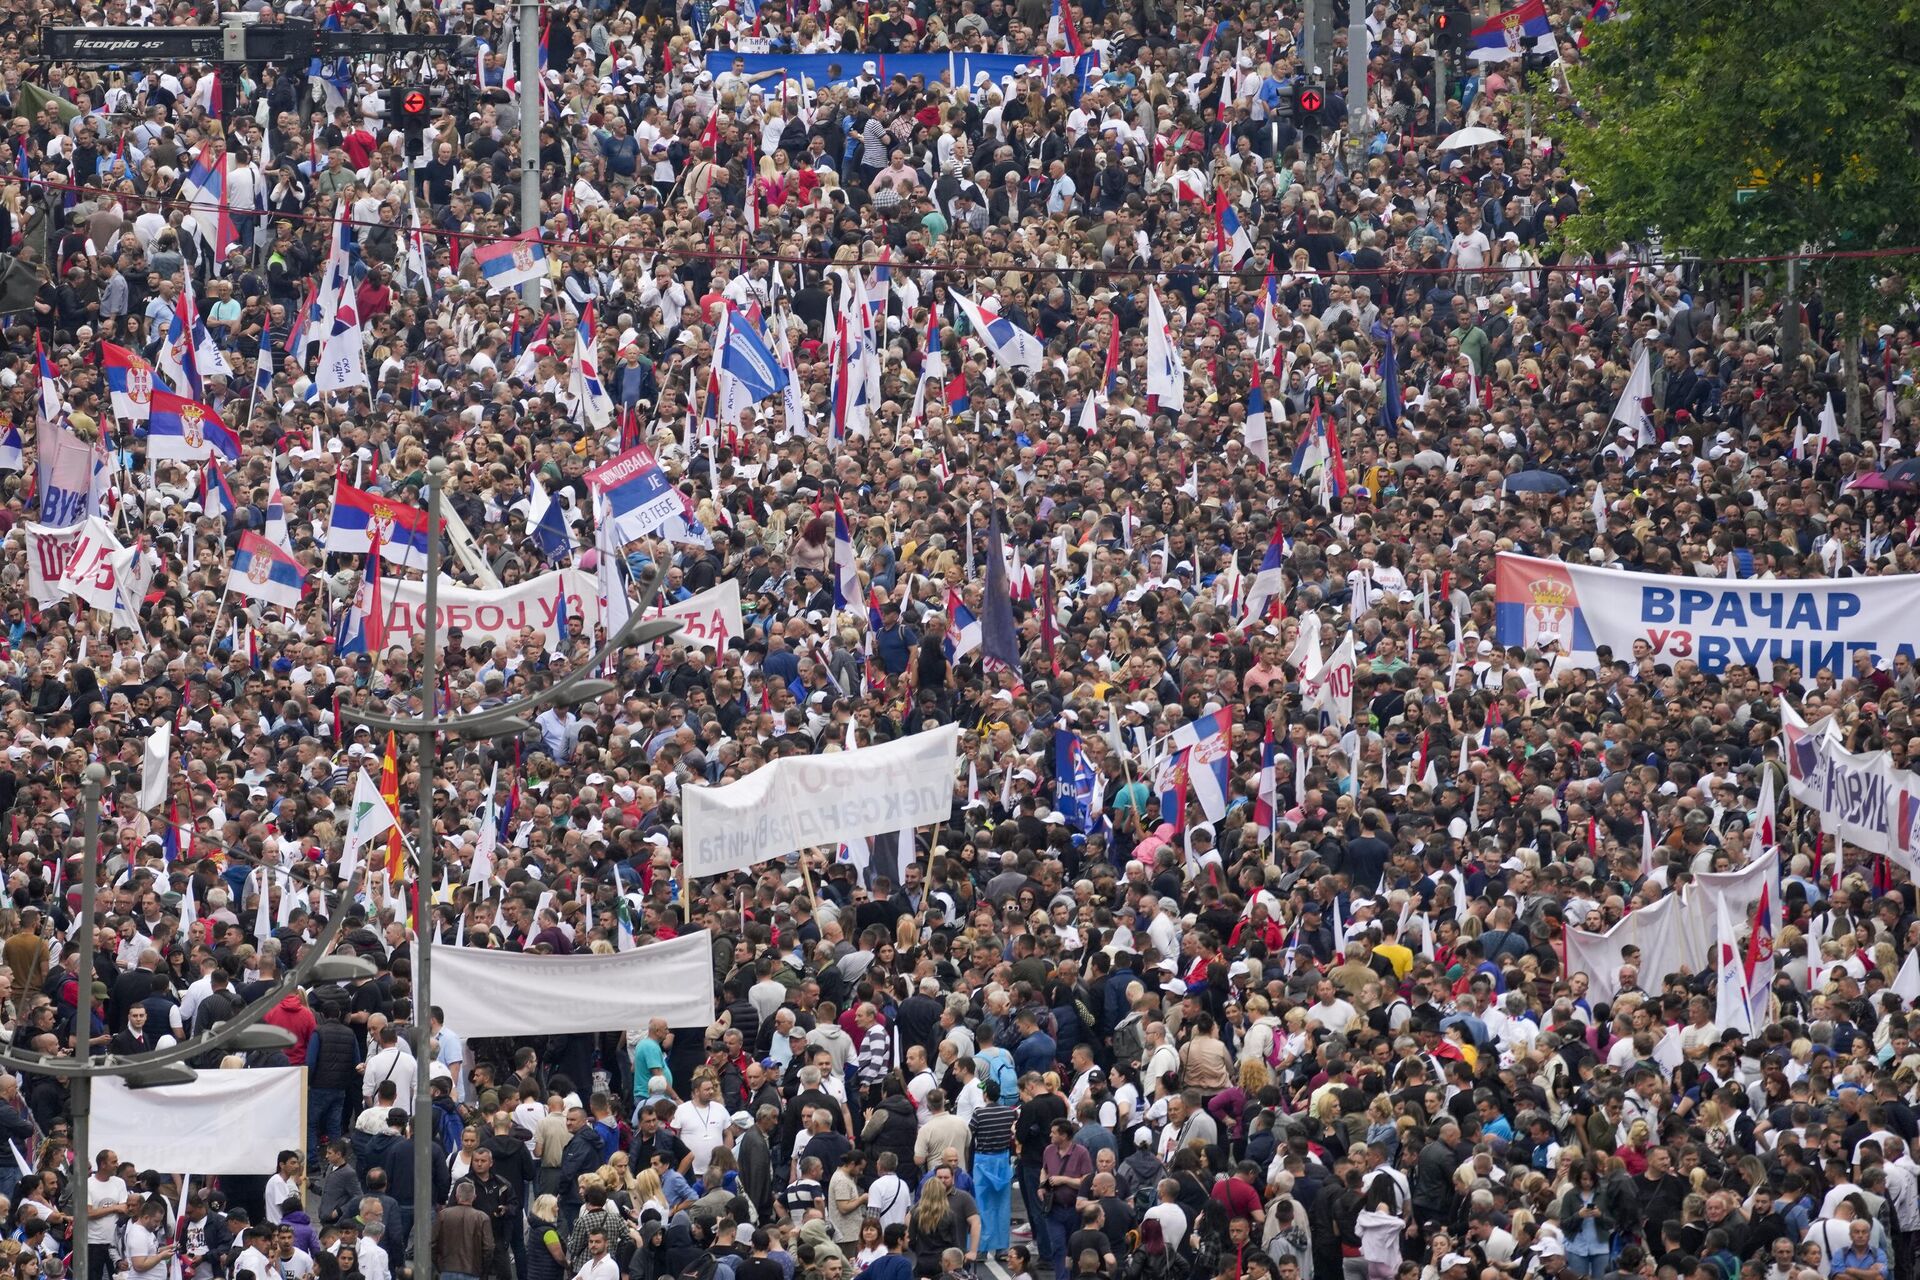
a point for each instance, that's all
(932, 1229)
(546, 1247)
(646, 1193)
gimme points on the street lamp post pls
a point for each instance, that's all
(91, 781)
(510, 718)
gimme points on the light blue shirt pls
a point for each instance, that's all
(560, 731)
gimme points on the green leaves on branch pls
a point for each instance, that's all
(1743, 128)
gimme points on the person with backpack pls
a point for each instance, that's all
(996, 1063)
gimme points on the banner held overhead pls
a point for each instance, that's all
(510, 993)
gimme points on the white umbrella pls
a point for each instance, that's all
(1472, 136)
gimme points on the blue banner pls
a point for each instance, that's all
(840, 68)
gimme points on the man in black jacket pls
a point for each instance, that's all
(582, 1155)
(499, 1199)
(399, 1167)
(333, 1059)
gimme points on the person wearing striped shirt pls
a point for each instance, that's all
(991, 1125)
(876, 1057)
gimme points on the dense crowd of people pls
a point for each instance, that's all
(1091, 1025)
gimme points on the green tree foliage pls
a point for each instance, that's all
(1815, 112)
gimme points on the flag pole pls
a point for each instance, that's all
(213, 630)
(806, 874)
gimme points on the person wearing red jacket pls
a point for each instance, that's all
(293, 1014)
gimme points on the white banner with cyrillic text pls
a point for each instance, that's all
(1816, 624)
(710, 619)
(495, 615)
(48, 551)
(801, 802)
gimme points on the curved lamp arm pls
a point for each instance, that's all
(213, 1038)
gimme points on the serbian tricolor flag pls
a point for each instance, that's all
(1270, 580)
(358, 515)
(1264, 806)
(1602, 11)
(1759, 957)
(129, 382)
(1069, 35)
(1112, 374)
(170, 842)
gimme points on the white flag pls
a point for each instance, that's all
(1906, 983)
(1631, 411)
(1305, 657)
(1166, 376)
(1730, 974)
(343, 355)
(368, 821)
(153, 767)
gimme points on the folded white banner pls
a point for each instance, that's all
(494, 615)
(1859, 796)
(48, 551)
(508, 993)
(1676, 933)
(801, 802)
(227, 1122)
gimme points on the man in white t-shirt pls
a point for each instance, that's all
(1171, 1217)
(253, 1260)
(701, 1123)
(1329, 1010)
(149, 1249)
(107, 1204)
(289, 1259)
(284, 1185)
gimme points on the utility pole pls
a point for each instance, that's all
(1308, 51)
(1359, 55)
(530, 121)
(1790, 319)
(82, 1087)
(425, 1150)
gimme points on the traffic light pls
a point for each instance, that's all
(1308, 101)
(415, 110)
(1451, 26)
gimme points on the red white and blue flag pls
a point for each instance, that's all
(262, 571)
(129, 382)
(846, 564)
(1012, 346)
(963, 628)
(216, 495)
(1265, 804)
(358, 517)
(505, 264)
(1208, 744)
(637, 492)
(1270, 579)
(205, 188)
(181, 428)
(1518, 31)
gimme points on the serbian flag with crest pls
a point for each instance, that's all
(358, 515)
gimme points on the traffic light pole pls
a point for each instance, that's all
(1359, 56)
(530, 90)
